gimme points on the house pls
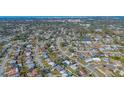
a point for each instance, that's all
(48, 60)
(88, 60)
(106, 59)
(30, 65)
(98, 30)
(45, 55)
(29, 61)
(49, 75)
(16, 75)
(81, 56)
(20, 65)
(81, 73)
(121, 73)
(59, 68)
(64, 73)
(29, 46)
(97, 39)
(96, 59)
(13, 62)
(12, 71)
(86, 40)
(29, 74)
(110, 66)
(53, 48)
(52, 64)
(28, 53)
(101, 49)
(34, 72)
(74, 66)
(66, 61)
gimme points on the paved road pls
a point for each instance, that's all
(71, 72)
(85, 66)
(38, 59)
(89, 68)
(4, 62)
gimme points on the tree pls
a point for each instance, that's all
(24, 71)
(62, 44)
(122, 59)
(71, 50)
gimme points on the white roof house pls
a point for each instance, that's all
(74, 66)
(88, 60)
(51, 63)
(96, 59)
(67, 62)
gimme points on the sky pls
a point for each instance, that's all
(49, 17)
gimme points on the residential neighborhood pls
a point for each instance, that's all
(62, 47)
